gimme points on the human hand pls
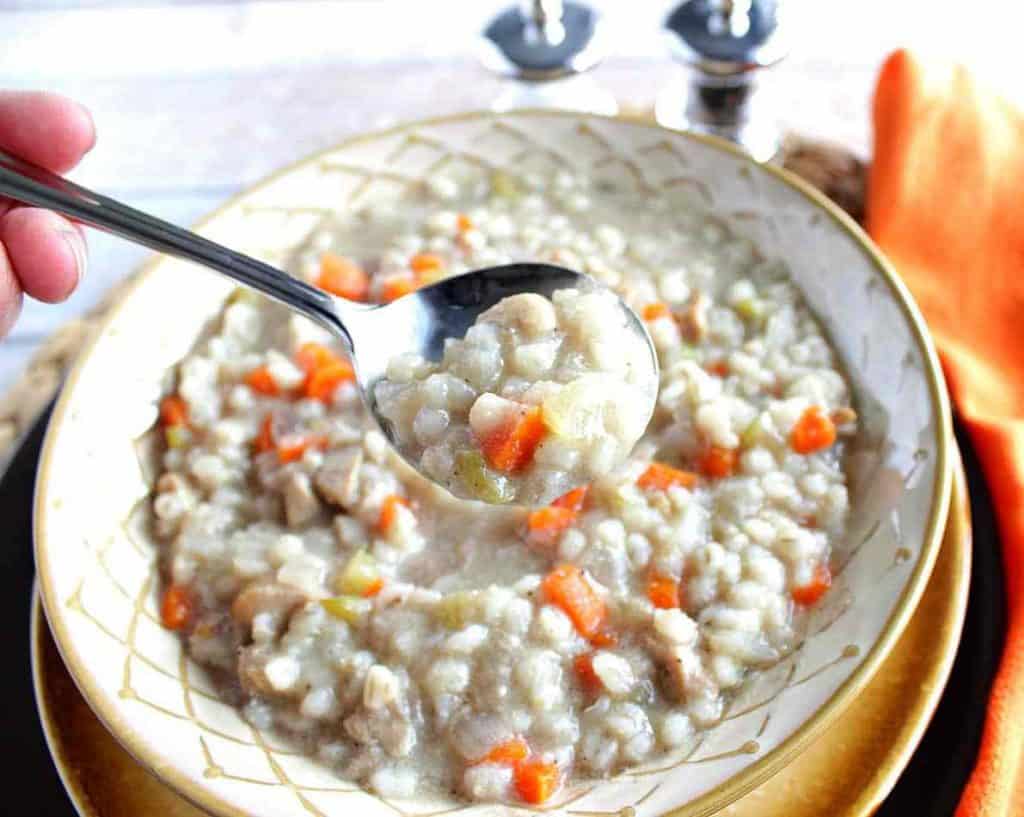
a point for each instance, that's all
(42, 254)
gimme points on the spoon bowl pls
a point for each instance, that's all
(419, 322)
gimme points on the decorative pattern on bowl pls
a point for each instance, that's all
(97, 566)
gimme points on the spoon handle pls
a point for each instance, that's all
(29, 184)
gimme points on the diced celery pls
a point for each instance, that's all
(504, 185)
(688, 351)
(481, 481)
(752, 433)
(360, 576)
(456, 610)
(347, 608)
(177, 436)
(752, 309)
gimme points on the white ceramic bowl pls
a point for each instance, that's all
(97, 568)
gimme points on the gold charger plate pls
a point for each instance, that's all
(846, 772)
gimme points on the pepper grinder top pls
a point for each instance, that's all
(725, 44)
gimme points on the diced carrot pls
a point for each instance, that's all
(176, 607)
(652, 312)
(343, 277)
(508, 753)
(717, 462)
(465, 223)
(574, 500)
(583, 665)
(605, 637)
(394, 288)
(568, 589)
(662, 477)
(325, 371)
(820, 582)
(536, 780)
(718, 367)
(292, 448)
(173, 411)
(313, 356)
(812, 432)
(389, 511)
(289, 448)
(321, 382)
(545, 526)
(373, 589)
(510, 449)
(265, 439)
(663, 591)
(261, 381)
(424, 262)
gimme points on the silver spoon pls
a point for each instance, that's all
(373, 334)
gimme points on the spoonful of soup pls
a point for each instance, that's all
(511, 384)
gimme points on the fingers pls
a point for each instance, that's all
(46, 129)
(45, 251)
(10, 294)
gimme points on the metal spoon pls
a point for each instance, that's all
(373, 334)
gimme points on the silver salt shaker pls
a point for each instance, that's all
(545, 49)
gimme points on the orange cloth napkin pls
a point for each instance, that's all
(946, 204)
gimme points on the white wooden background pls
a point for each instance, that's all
(194, 100)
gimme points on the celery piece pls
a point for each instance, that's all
(456, 610)
(350, 609)
(479, 480)
(177, 436)
(360, 576)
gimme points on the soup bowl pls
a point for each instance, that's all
(99, 568)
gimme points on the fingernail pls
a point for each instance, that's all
(77, 245)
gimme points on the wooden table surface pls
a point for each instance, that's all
(195, 100)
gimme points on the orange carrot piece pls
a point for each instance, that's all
(583, 666)
(176, 607)
(717, 462)
(321, 382)
(389, 511)
(536, 780)
(395, 288)
(718, 367)
(652, 312)
(568, 589)
(374, 588)
(820, 582)
(662, 477)
(545, 526)
(812, 432)
(343, 277)
(574, 500)
(265, 439)
(511, 449)
(173, 411)
(663, 591)
(261, 381)
(291, 449)
(424, 262)
(313, 356)
(605, 637)
(465, 223)
(508, 753)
